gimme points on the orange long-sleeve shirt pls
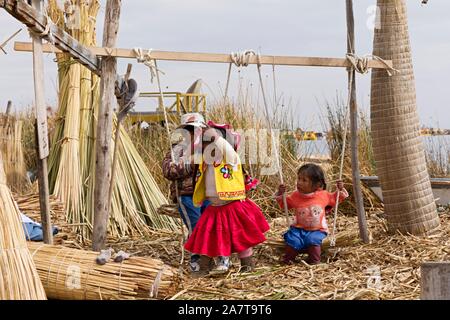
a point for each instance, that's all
(310, 208)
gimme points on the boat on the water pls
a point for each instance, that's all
(440, 187)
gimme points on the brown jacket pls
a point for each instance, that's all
(180, 172)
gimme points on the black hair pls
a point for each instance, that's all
(314, 173)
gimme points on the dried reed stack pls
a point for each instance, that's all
(136, 195)
(12, 150)
(19, 279)
(29, 205)
(73, 274)
(398, 147)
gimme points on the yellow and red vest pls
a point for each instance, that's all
(229, 183)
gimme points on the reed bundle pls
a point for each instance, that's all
(136, 195)
(13, 157)
(29, 205)
(19, 279)
(73, 274)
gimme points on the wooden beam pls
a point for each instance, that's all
(4, 43)
(218, 57)
(37, 22)
(104, 127)
(42, 146)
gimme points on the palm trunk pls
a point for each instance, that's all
(398, 148)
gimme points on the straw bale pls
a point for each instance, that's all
(19, 279)
(73, 274)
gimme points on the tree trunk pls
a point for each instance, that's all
(398, 148)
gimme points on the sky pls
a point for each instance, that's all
(272, 27)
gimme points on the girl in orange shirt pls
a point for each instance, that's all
(311, 202)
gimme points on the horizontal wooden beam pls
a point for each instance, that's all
(37, 22)
(217, 57)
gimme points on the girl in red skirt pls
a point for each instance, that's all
(231, 223)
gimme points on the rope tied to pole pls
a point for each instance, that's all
(239, 59)
(47, 29)
(361, 64)
(146, 59)
(242, 59)
(274, 144)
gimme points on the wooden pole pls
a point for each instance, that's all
(8, 108)
(357, 191)
(435, 281)
(104, 127)
(41, 134)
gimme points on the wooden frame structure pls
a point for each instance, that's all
(216, 57)
(90, 57)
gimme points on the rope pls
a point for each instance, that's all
(269, 123)
(150, 62)
(166, 121)
(242, 59)
(361, 64)
(47, 29)
(146, 59)
(239, 59)
(155, 286)
(341, 168)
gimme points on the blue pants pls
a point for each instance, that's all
(192, 211)
(193, 214)
(300, 239)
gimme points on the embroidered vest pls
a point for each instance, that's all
(229, 183)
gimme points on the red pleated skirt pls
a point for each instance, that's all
(222, 230)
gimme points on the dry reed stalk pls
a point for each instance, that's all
(387, 268)
(13, 157)
(73, 274)
(68, 184)
(19, 279)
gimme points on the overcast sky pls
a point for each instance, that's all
(274, 27)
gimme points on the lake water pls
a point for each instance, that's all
(436, 146)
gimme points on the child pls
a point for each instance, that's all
(311, 202)
(181, 172)
(231, 223)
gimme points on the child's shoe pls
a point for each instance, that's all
(194, 263)
(222, 265)
(313, 255)
(247, 264)
(289, 255)
(204, 266)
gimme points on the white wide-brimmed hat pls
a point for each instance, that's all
(193, 119)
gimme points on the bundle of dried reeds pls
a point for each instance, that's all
(18, 276)
(136, 195)
(12, 151)
(73, 274)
